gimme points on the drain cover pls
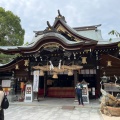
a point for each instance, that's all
(68, 107)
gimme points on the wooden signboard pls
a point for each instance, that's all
(6, 83)
(28, 93)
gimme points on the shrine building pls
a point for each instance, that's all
(61, 55)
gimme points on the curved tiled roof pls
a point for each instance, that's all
(50, 35)
(8, 47)
(92, 34)
(86, 36)
(57, 35)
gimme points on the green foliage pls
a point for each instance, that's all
(119, 45)
(7, 58)
(11, 32)
(114, 32)
(117, 34)
(110, 39)
(26, 44)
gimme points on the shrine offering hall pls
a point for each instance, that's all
(57, 58)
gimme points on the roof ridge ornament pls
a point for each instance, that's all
(60, 16)
(49, 28)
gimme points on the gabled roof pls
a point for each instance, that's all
(91, 32)
(52, 35)
(72, 31)
(77, 39)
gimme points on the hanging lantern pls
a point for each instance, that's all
(16, 67)
(84, 60)
(22, 85)
(26, 62)
(70, 72)
(109, 63)
(55, 75)
(41, 73)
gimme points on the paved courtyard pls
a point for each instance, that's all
(49, 112)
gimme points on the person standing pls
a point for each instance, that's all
(79, 88)
(1, 98)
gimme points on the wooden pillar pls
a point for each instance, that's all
(75, 81)
(98, 79)
(45, 83)
(29, 71)
(75, 77)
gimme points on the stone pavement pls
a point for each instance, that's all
(53, 109)
(59, 102)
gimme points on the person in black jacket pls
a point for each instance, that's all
(79, 88)
(1, 98)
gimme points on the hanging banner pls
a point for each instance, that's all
(36, 81)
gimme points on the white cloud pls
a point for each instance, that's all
(35, 13)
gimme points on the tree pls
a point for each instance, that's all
(114, 32)
(11, 32)
(117, 34)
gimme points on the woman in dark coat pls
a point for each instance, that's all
(1, 98)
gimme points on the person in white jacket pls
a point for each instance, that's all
(1, 98)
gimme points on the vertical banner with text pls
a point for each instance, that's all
(36, 81)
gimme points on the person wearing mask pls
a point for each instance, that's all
(1, 98)
(79, 88)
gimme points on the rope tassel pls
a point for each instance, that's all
(51, 65)
(59, 66)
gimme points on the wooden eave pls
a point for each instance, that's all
(104, 46)
(10, 51)
(39, 45)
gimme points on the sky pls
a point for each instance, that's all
(34, 14)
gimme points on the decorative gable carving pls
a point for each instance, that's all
(62, 29)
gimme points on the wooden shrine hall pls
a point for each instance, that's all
(63, 55)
